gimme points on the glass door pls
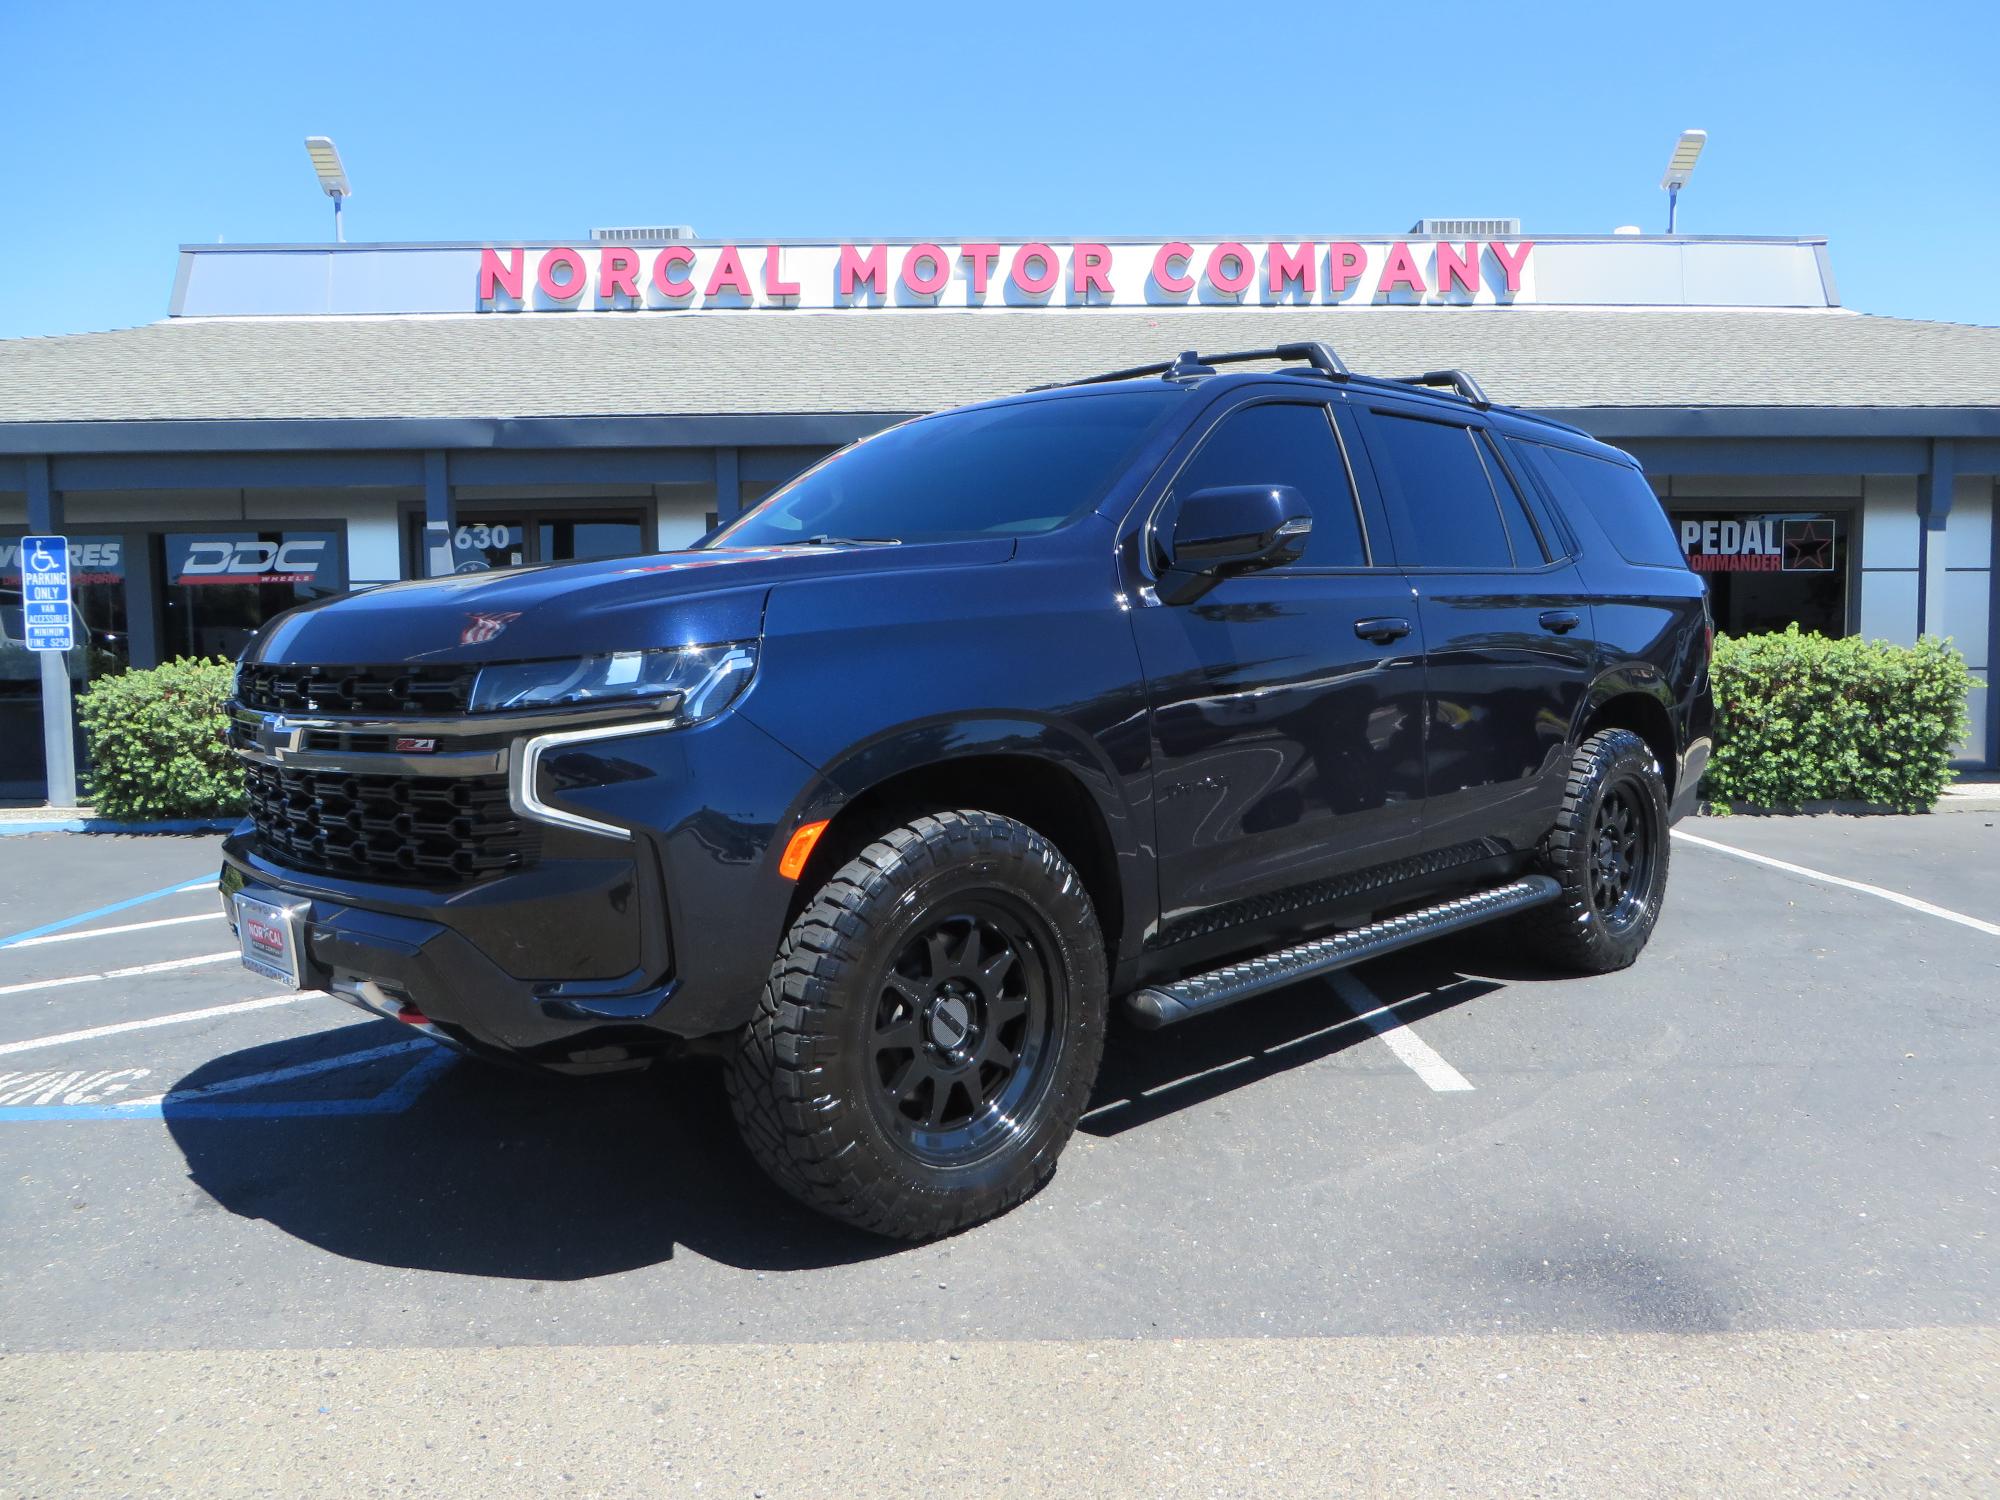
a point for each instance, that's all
(487, 538)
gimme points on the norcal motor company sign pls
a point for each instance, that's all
(602, 277)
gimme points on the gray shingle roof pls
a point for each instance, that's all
(772, 362)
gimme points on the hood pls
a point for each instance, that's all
(583, 608)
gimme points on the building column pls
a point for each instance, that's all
(142, 600)
(1934, 488)
(728, 486)
(438, 516)
(58, 719)
(1993, 630)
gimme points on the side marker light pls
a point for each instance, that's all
(800, 849)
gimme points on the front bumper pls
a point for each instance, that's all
(452, 957)
(605, 946)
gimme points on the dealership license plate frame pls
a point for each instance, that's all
(270, 937)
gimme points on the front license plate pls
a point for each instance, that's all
(269, 936)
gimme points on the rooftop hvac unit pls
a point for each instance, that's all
(643, 236)
(1468, 229)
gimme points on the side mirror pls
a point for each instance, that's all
(1233, 528)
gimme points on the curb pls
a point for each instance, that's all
(1962, 802)
(11, 826)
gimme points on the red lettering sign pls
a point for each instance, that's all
(1165, 277)
(856, 268)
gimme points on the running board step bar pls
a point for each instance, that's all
(1163, 1005)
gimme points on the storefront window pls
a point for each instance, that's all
(97, 589)
(499, 539)
(566, 538)
(1767, 569)
(222, 585)
(482, 542)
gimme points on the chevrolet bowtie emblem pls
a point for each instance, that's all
(277, 734)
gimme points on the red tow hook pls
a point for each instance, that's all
(409, 1015)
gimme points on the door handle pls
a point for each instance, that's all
(1561, 621)
(1382, 629)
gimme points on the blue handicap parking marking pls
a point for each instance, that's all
(64, 923)
(269, 1094)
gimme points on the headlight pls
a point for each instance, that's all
(692, 683)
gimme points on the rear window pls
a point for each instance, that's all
(1618, 498)
(985, 471)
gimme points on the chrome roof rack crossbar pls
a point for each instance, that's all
(1318, 355)
(1456, 380)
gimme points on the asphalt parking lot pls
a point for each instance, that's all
(1723, 1221)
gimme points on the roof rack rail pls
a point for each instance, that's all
(1456, 380)
(1318, 355)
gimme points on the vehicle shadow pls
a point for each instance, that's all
(492, 1172)
(1149, 1075)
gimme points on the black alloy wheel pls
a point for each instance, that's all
(1609, 851)
(965, 1027)
(930, 1031)
(1621, 853)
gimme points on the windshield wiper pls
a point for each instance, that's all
(826, 539)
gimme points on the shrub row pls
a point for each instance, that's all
(156, 743)
(1802, 718)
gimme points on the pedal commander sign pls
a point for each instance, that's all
(1031, 273)
(1767, 543)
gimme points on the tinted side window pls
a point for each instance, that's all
(1454, 518)
(1620, 500)
(1286, 443)
(1528, 549)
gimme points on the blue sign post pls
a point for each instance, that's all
(47, 615)
(49, 627)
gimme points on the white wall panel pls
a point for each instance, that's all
(684, 512)
(1889, 522)
(1969, 528)
(1889, 605)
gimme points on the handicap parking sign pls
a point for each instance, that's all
(47, 618)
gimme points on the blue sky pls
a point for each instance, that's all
(128, 130)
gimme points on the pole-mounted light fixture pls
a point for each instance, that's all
(1680, 167)
(332, 177)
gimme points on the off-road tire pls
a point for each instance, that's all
(799, 1076)
(1581, 929)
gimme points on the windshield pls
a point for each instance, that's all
(986, 471)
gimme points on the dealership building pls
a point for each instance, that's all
(314, 418)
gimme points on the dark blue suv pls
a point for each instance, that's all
(1166, 687)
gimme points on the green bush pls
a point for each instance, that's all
(156, 743)
(1801, 718)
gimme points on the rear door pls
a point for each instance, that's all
(1287, 705)
(1508, 637)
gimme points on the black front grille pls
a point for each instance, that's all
(438, 692)
(416, 828)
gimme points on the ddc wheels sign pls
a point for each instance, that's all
(300, 558)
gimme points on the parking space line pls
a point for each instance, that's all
(91, 1033)
(159, 968)
(91, 932)
(80, 918)
(1976, 924)
(1414, 1052)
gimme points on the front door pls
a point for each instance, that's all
(1509, 647)
(1287, 744)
